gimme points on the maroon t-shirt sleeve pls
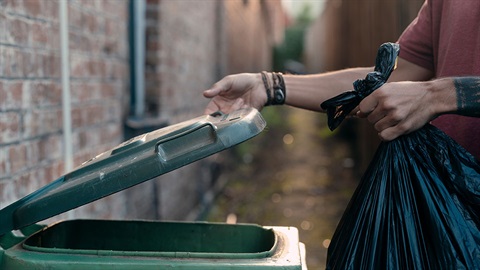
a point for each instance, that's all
(416, 42)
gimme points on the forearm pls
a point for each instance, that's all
(309, 91)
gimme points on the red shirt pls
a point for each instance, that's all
(445, 38)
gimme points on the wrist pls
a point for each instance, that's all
(443, 98)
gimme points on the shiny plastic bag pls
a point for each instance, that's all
(417, 206)
(339, 107)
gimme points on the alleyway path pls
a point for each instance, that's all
(293, 174)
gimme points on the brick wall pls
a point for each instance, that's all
(181, 59)
(31, 141)
(189, 47)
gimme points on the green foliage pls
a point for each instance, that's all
(292, 46)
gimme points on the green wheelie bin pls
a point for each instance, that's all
(140, 244)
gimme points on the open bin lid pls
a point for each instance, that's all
(132, 162)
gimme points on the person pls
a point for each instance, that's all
(437, 80)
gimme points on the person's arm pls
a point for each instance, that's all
(309, 91)
(302, 91)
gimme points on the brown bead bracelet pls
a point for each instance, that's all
(279, 89)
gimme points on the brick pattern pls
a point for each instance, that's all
(31, 142)
(181, 56)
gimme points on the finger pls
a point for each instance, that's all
(211, 108)
(238, 104)
(385, 123)
(359, 114)
(390, 134)
(375, 116)
(225, 107)
(366, 106)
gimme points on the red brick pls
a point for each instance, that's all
(51, 65)
(50, 9)
(115, 8)
(95, 114)
(8, 62)
(18, 62)
(8, 193)
(44, 150)
(3, 27)
(79, 66)
(46, 93)
(33, 7)
(107, 90)
(33, 152)
(42, 122)
(18, 159)
(53, 41)
(74, 17)
(10, 127)
(11, 95)
(15, 5)
(82, 91)
(3, 96)
(50, 148)
(3, 165)
(40, 34)
(52, 171)
(24, 184)
(77, 118)
(3, 57)
(19, 31)
(16, 94)
(90, 21)
(111, 27)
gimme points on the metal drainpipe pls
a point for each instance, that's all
(65, 77)
(139, 58)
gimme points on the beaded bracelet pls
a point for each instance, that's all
(279, 89)
(267, 88)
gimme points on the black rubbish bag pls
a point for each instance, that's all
(417, 205)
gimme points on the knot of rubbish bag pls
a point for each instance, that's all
(339, 107)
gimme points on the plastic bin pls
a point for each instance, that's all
(135, 244)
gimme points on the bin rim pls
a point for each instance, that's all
(160, 254)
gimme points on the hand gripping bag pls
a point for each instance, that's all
(417, 206)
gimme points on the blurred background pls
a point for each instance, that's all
(78, 77)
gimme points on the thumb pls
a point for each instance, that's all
(209, 93)
(221, 86)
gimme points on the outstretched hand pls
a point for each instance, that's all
(235, 92)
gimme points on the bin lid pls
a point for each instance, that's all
(132, 162)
